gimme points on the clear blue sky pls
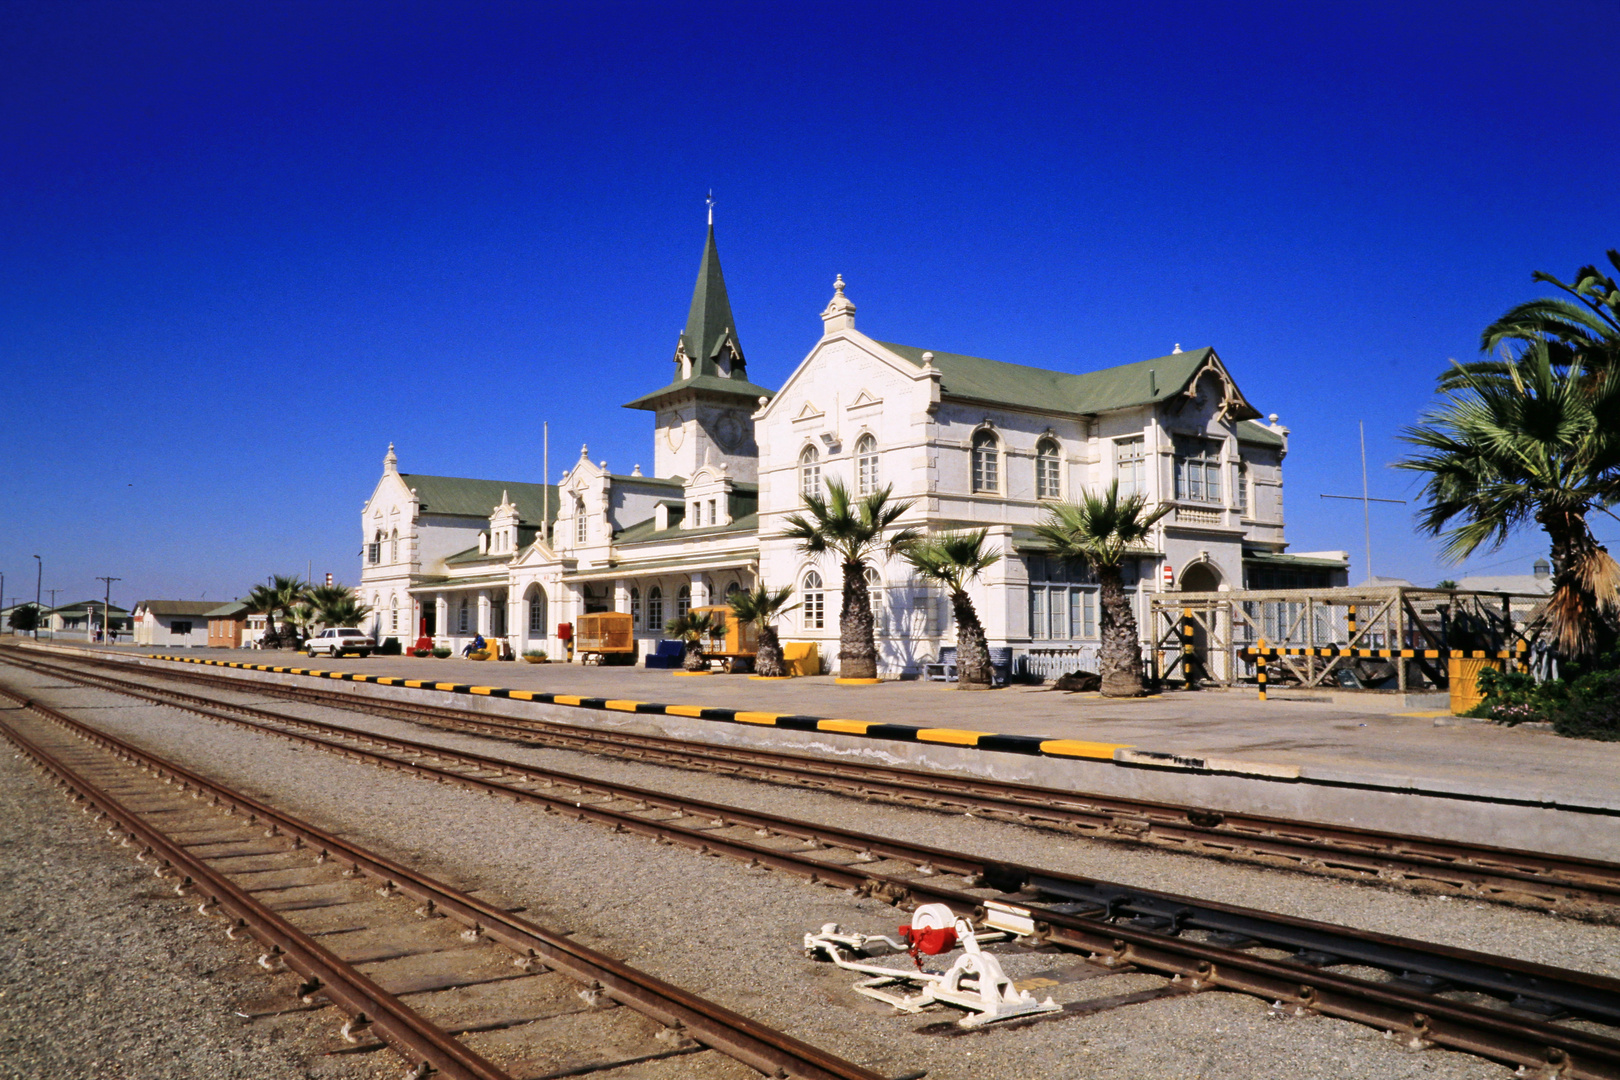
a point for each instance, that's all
(244, 246)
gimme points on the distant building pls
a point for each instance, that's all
(83, 619)
(174, 623)
(1538, 580)
(231, 626)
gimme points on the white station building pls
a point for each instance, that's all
(970, 442)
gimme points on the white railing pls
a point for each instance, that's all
(1050, 664)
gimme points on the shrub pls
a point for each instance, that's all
(390, 647)
(535, 654)
(1590, 708)
(421, 652)
(441, 652)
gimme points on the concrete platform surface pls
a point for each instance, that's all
(1328, 741)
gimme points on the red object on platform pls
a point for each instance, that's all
(932, 942)
(565, 630)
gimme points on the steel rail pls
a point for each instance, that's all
(756, 1045)
(402, 1028)
(1416, 1016)
(1571, 884)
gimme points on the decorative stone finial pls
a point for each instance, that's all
(637, 470)
(390, 460)
(1176, 349)
(928, 359)
(840, 313)
(584, 453)
(1272, 418)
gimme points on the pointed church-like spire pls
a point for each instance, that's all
(710, 339)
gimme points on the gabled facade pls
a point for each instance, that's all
(969, 442)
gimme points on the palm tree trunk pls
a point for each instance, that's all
(692, 659)
(1576, 612)
(1121, 658)
(768, 661)
(972, 654)
(857, 652)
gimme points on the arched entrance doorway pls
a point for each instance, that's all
(533, 626)
(1202, 577)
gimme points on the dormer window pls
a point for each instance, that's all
(582, 524)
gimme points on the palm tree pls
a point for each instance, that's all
(759, 606)
(853, 530)
(281, 595)
(343, 611)
(337, 605)
(1533, 437)
(1100, 530)
(691, 628)
(1586, 327)
(954, 559)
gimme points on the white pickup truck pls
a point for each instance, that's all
(336, 642)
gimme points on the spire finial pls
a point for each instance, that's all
(584, 452)
(1176, 349)
(711, 208)
(840, 313)
(390, 460)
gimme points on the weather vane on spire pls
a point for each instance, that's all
(711, 206)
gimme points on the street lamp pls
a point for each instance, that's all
(38, 581)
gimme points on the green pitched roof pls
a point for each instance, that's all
(647, 532)
(1141, 383)
(464, 497)
(710, 333)
(1252, 431)
(712, 384)
(228, 611)
(709, 325)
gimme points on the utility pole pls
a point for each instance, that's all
(106, 609)
(1365, 499)
(38, 581)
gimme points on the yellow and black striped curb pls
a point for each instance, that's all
(980, 740)
(1387, 654)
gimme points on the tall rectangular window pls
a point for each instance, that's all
(1131, 466)
(1198, 470)
(1037, 612)
(986, 463)
(1243, 489)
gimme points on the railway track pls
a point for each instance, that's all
(1573, 886)
(460, 987)
(1548, 1022)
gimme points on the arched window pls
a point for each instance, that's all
(393, 614)
(582, 524)
(461, 619)
(809, 471)
(683, 602)
(655, 609)
(393, 547)
(1048, 470)
(986, 462)
(537, 614)
(635, 607)
(874, 594)
(732, 590)
(866, 465)
(374, 549)
(815, 602)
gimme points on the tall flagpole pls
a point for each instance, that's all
(545, 481)
(1366, 503)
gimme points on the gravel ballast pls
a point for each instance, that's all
(730, 933)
